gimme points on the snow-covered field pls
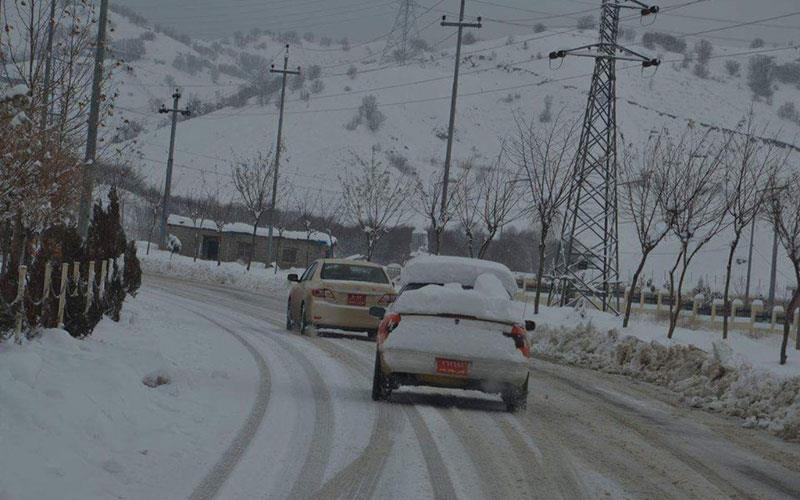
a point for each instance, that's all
(78, 421)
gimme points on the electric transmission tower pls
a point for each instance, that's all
(404, 33)
(588, 262)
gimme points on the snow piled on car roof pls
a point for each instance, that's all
(487, 301)
(465, 271)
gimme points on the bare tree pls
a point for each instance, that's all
(197, 206)
(373, 199)
(544, 157)
(785, 214)
(499, 199)
(693, 204)
(748, 169)
(466, 193)
(253, 180)
(220, 213)
(305, 208)
(329, 215)
(641, 189)
(427, 196)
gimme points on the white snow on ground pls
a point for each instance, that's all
(75, 415)
(227, 273)
(739, 377)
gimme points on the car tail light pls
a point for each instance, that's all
(389, 323)
(521, 340)
(322, 293)
(387, 299)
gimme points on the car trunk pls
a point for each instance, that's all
(355, 293)
(456, 338)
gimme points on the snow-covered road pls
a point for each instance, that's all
(312, 430)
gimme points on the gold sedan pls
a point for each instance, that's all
(336, 294)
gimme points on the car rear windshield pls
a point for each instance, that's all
(351, 272)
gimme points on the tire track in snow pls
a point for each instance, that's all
(318, 456)
(222, 469)
(438, 474)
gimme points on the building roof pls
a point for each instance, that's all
(242, 228)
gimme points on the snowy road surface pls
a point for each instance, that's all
(313, 430)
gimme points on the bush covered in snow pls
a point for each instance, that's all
(716, 381)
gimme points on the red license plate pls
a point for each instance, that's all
(452, 367)
(354, 299)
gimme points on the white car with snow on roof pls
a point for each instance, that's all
(454, 325)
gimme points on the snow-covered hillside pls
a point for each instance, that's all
(500, 78)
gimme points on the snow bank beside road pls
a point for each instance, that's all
(717, 379)
(228, 273)
(78, 421)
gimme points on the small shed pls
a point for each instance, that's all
(234, 242)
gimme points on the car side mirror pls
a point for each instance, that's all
(377, 312)
(530, 325)
(293, 277)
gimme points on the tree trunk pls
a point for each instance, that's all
(196, 243)
(788, 319)
(470, 243)
(635, 280)
(678, 301)
(539, 272)
(726, 292)
(6, 247)
(673, 307)
(437, 234)
(485, 245)
(370, 244)
(219, 250)
(252, 245)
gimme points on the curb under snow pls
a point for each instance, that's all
(717, 381)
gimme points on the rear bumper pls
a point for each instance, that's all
(419, 368)
(345, 317)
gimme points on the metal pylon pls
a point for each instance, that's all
(404, 32)
(588, 262)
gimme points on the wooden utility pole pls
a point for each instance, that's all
(162, 234)
(454, 96)
(273, 202)
(94, 117)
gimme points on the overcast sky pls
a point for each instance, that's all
(365, 19)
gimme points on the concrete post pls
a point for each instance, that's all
(20, 300)
(103, 271)
(62, 295)
(76, 277)
(89, 288)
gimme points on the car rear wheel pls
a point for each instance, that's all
(381, 389)
(289, 322)
(516, 398)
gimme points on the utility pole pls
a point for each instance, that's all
(588, 260)
(454, 96)
(48, 65)
(398, 46)
(162, 234)
(273, 203)
(94, 117)
(749, 263)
